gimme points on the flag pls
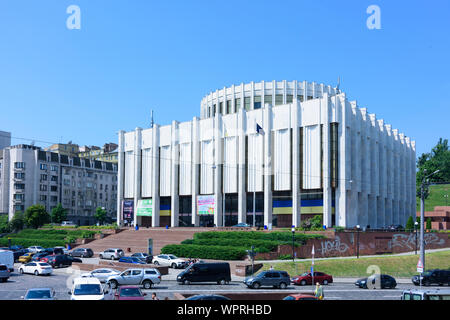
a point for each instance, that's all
(259, 129)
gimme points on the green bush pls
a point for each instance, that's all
(205, 252)
(284, 237)
(260, 245)
(32, 242)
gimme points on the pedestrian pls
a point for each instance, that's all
(271, 267)
(154, 297)
(319, 291)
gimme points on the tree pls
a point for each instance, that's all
(36, 216)
(100, 215)
(410, 224)
(5, 227)
(437, 159)
(17, 222)
(59, 214)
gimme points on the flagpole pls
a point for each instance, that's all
(312, 266)
(254, 180)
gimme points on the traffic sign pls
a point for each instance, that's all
(420, 266)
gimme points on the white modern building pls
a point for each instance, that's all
(30, 175)
(271, 152)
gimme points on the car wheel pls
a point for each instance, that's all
(256, 285)
(21, 271)
(148, 284)
(186, 282)
(221, 282)
(113, 284)
(36, 273)
(303, 283)
(156, 263)
(174, 265)
(100, 256)
(325, 282)
(283, 285)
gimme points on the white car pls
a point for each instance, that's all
(37, 268)
(101, 274)
(87, 288)
(35, 249)
(169, 260)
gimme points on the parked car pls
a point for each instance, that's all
(207, 297)
(218, 272)
(59, 261)
(169, 260)
(143, 257)
(87, 288)
(306, 278)
(242, 225)
(427, 294)
(40, 294)
(304, 297)
(26, 257)
(395, 227)
(146, 277)
(18, 253)
(131, 260)
(39, 256)
(68, 224)
(112, 254)
(101, 274)
(35, 249)
(377, 281)
(36, 268)
(430, 277)
(4, 273)
(82, 252)
(129, 293)
(269, 278)
(60, 250)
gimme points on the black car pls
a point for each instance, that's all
(207, 297)
(378, 281)
(435, 276)
(61, 260)
(144, 257)
(82, 252)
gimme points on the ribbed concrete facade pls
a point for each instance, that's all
(316, 153)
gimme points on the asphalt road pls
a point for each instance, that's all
(61, 280)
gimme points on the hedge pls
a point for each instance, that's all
(260, 245)
(32, 242)
(54, 234)
(205, 252)
(285, 237)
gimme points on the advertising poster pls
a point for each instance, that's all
(144, 208)
(206, 205)
(127, 210)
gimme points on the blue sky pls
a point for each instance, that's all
(132, 56)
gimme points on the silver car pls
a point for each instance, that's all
(101, 274)
(146, 277)
(112, 254)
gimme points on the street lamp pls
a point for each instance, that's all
(422, 216)
(415, 230)
(357, 240)
(293, 243)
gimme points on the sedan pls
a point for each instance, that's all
(40, 294)
(35, 249)
(101, 274)
(377, 281)
(129, 293)
(242, 225)
(131, 260)
(26, 257)
(36, 268)
(143, 257)
(307, 279)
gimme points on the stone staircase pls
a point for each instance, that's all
(137, 240)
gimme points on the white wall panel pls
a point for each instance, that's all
(147, 166)
(206, 167)
(185, 168)
(282, 160)
(230, 165)
(129, 175)
(311, 157)
(165, 177)
(255, 162)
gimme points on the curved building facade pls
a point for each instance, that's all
(268, 153)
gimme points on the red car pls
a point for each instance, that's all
(129, 293)
(306, 279)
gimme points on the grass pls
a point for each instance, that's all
(396, 266)
(436, 197)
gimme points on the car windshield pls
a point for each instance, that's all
(38, 294)
(130, 292)
(172, 256)
(44, 264)
(87, 289)
(427, 273)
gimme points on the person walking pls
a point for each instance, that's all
(154, 297)
(319, 291)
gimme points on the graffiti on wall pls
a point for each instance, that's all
(332, 247)
(409, 241)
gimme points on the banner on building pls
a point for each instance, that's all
(128, 210)
(144, 208)
(206, 205)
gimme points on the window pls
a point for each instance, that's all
(19, 165)
(43, 197)
(278, 99)
(19, 186)
(221, 107)
(237, 104)
(19, 175)
(53, 198)
(268, 99)
(54, 168)
(229, 107)
(43, 166)
(257, 102)
(54, 178)
(19, 196)
(43, 187)
(43, 177)
(247, 101)
(54, 188)
(289, 98)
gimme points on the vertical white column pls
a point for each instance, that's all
(218, 216)
(242, 192)
(396, 177)
(268, 172)
(325, 105)
(155, 176)
(296, 196)
(174, 194)
(120, 176)
(195, 170)
(382, 175)
(374, 174)
(137, 151)
(343, 216)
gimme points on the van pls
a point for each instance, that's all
(206, 272)
(7, 258)
(87, 289)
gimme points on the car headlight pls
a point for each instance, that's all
(362, 282)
